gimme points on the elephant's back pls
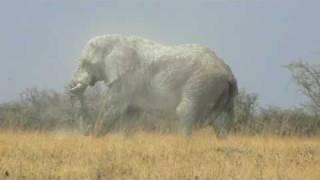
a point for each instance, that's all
(190, 56)
(154, 51)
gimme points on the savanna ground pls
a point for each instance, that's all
(143, 155)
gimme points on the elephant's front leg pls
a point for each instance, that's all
(105, 122)
(109, 115)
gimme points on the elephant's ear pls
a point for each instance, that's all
(120, 61)
(93, 52)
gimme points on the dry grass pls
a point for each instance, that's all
(156, 156)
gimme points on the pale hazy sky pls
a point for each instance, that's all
(41, 40)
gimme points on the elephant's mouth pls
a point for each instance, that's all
(78, 87)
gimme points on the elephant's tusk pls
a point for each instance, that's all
(76, 87)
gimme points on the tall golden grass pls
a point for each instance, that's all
(143, 155)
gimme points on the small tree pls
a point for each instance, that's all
(307, 77)
(44, 109)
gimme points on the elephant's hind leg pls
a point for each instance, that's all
(200, 99)
(187, 114)
(222, 118)
(191, 107)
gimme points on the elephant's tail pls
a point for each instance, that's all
(233, 87)
(232, 93)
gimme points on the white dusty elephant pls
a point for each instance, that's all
(189, 81)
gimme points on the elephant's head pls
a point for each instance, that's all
(92, 65)
(104, 58)
(83, 77)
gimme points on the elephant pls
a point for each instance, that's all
(189, 81)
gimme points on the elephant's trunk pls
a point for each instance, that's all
(76, 93)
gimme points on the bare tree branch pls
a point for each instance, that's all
(307, 78)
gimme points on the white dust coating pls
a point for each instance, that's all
(189, 80)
